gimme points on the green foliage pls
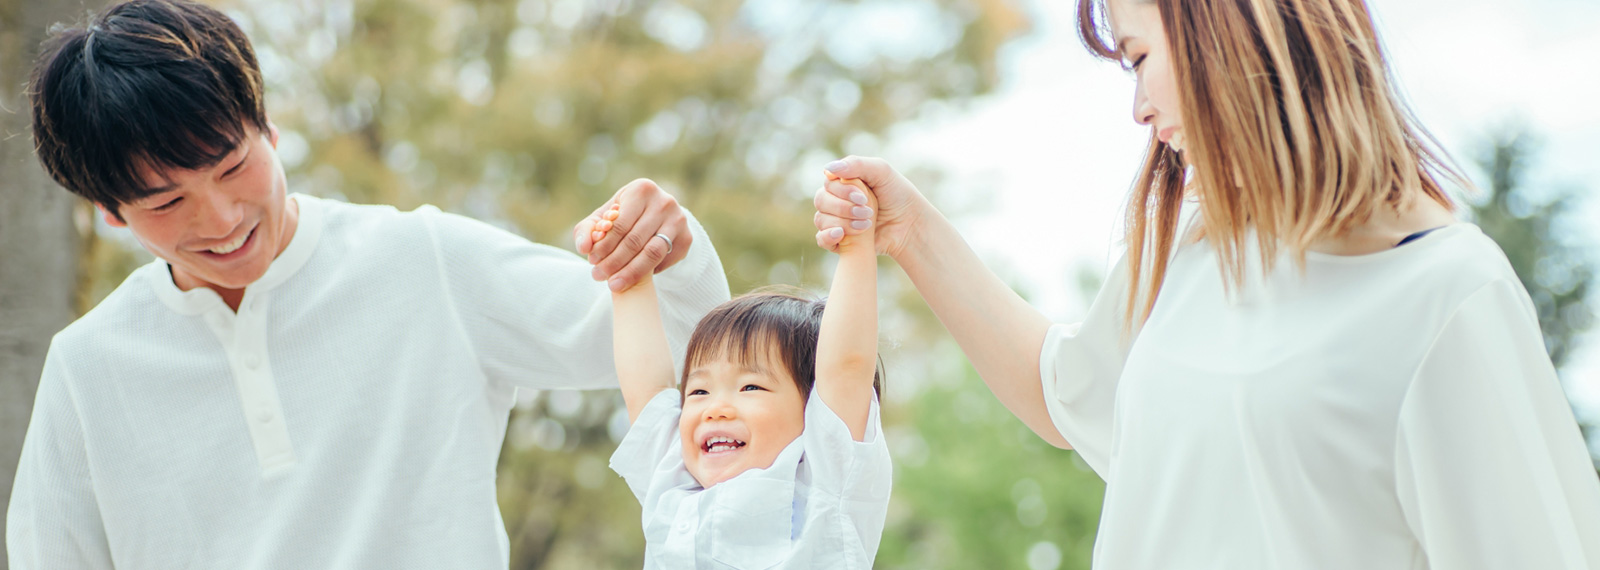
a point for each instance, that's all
(975, 488)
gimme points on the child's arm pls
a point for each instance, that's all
(644, 363)
(847, 344)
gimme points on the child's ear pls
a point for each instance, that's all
(111, 217)
(272, 134)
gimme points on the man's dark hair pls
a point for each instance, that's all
(155, 84)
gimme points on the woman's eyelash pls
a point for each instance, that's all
(1137, 63)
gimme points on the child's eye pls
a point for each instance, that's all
(749, 387)
(698, 392)
(169, 205)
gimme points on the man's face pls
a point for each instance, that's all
(219, 226)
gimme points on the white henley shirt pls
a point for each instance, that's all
(350, 415)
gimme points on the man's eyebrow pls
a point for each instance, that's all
(210, 162)
(150, 192)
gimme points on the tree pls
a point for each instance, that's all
(1536, 228)
(39, 241)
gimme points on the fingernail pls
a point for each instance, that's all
(836, 166)
(858, 198)
(860, 224)
(615, 284)
(836, 233)
(861, 212)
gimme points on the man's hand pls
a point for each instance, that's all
(631, 249)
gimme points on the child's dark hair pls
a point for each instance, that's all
(747, 327)
(157, 84)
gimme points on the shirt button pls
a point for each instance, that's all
(252, 361)
(264, 417)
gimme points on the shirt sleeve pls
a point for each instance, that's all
(1080, 365)
(651, 445)
(1490, 469)
(537, 319)
(858, 474)
(840, 465)
(54, 520)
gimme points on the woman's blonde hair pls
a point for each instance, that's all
(1293, 129)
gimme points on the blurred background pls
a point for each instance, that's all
(530, 113)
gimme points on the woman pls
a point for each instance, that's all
(1323, 369)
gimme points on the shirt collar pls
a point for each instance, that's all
(308, 230)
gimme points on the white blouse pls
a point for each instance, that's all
(1387, 411)
(821, 504)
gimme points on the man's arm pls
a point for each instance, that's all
(54, 520)
(536, 317)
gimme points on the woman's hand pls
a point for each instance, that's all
(900, 208)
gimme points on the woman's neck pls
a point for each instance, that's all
(1386, 228)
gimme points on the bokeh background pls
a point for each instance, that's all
(530, 113)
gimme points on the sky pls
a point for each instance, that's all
(1040, 168)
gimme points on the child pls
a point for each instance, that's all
(770, 453)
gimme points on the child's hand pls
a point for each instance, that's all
(600, 226)
(835, 239)
(604, 223)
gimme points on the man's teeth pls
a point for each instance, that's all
(721, 443)
(230, 248)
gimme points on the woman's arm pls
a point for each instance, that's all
(847, 342)
(1490, 469)
(999, 332)
(639, 343)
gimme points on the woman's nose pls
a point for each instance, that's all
(1143, 112)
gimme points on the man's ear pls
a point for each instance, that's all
(111, 217)
(272, 134)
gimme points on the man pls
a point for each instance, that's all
(295, 382)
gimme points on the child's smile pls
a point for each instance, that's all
(737, 417)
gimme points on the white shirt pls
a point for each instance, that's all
(350, 415)
(821, 504)
(1387, 411)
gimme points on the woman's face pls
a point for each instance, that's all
(1142, 42)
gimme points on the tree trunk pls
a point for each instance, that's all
(39, 242)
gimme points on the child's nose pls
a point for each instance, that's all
(721, 409)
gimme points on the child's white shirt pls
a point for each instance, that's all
(821, 504)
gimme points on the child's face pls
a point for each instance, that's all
(738, 416)
(198, 222)
(1143, 44)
